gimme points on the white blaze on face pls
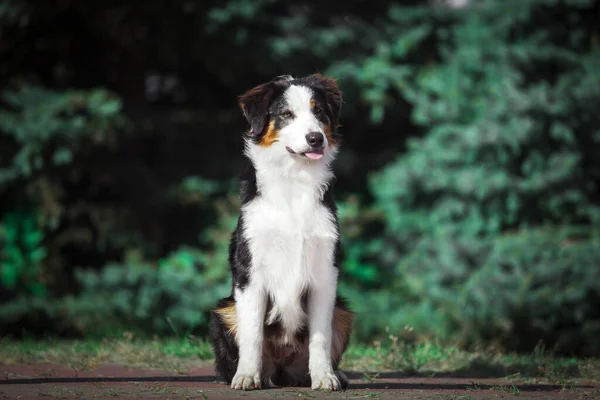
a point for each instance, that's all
(298, 101)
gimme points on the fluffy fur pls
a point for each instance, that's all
(283, 323)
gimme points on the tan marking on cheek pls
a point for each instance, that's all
(312, 104)
(270, 136)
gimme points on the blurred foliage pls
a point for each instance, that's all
(513, 290)
(478, 210)
(47, 128)
(171, 298)
(174, 298)
(21, 254)
(468, 183)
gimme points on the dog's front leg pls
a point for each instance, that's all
(250, 308)
(321, 302)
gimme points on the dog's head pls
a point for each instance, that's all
(295, 117)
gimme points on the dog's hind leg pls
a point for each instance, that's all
(342, 328)
(223, 331)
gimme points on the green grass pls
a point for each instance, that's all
(428, 358)
(168, 353)
(431, 359)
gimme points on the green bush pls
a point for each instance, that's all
(513, 290)
(479, 212)
(22, 253)
(44, 128)
(168, 296)
(171, 298)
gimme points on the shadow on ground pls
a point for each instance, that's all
(386, 380)
(486, 369)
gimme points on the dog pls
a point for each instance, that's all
(283, 324)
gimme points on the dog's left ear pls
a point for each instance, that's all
(333, 95)
(256, 101)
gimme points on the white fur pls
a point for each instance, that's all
(291, 237)
(250, 307)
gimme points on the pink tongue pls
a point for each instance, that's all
(314, 156)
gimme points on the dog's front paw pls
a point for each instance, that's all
(327, 381)
(243, 381)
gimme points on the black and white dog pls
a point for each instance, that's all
(283, 324)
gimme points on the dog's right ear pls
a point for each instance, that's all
(255, 103)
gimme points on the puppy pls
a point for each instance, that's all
(283, 324)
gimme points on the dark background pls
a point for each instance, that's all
(467, 183)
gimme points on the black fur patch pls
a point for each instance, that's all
(223, 344)
(239, 251)
(256, 102)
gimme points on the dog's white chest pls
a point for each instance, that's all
(292, 238)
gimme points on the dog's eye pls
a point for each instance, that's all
(318, 110)
(287, 114)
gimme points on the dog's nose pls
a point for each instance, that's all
(315, 139)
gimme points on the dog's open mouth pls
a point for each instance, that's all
(313, 154)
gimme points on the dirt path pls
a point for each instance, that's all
(49, 381)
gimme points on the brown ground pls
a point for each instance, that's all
(50, 381)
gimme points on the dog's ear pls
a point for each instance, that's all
(333, 96)
(256, 101)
